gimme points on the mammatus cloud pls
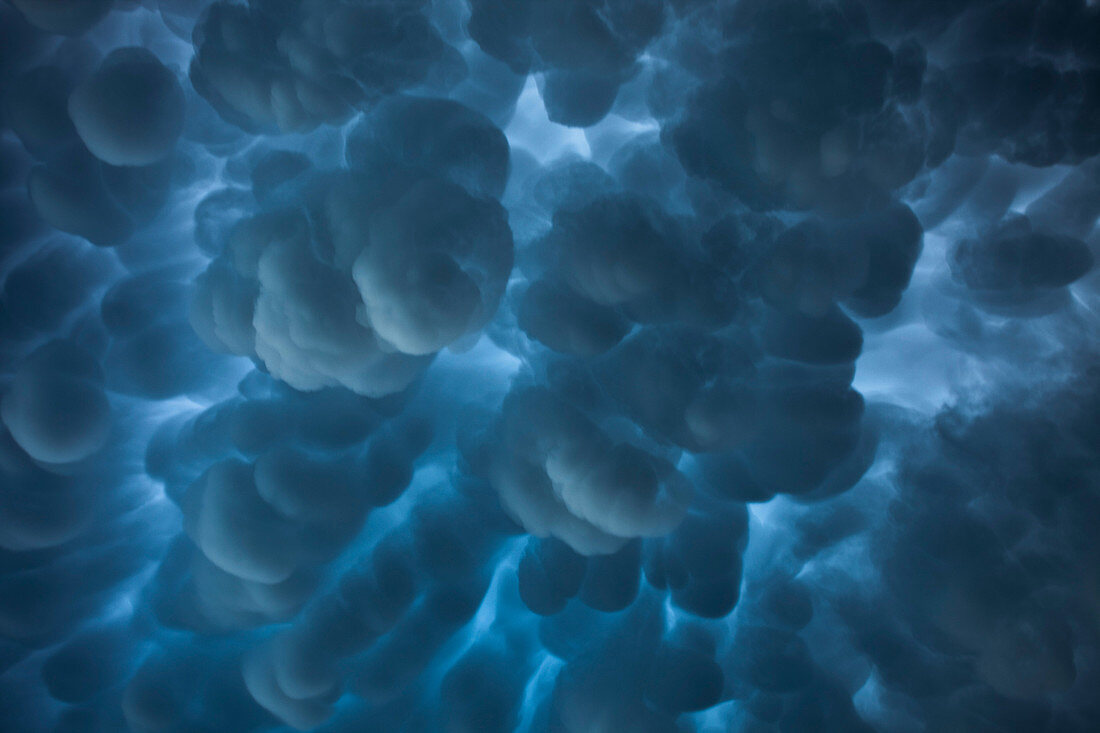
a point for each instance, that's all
(588, 365)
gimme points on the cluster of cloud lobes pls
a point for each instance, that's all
(556, 366)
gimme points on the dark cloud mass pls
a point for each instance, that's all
(549, 366)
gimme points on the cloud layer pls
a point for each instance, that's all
(724, 366)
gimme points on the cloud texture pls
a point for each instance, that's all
(555, 366)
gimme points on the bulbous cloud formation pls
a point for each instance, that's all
(293, 66)
(365, 283)
(560, 476)
(272, 484)
(105, 141)
(55, 407)
(1014, 265)
(549, 366)
(130, 112)
(584, 50)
